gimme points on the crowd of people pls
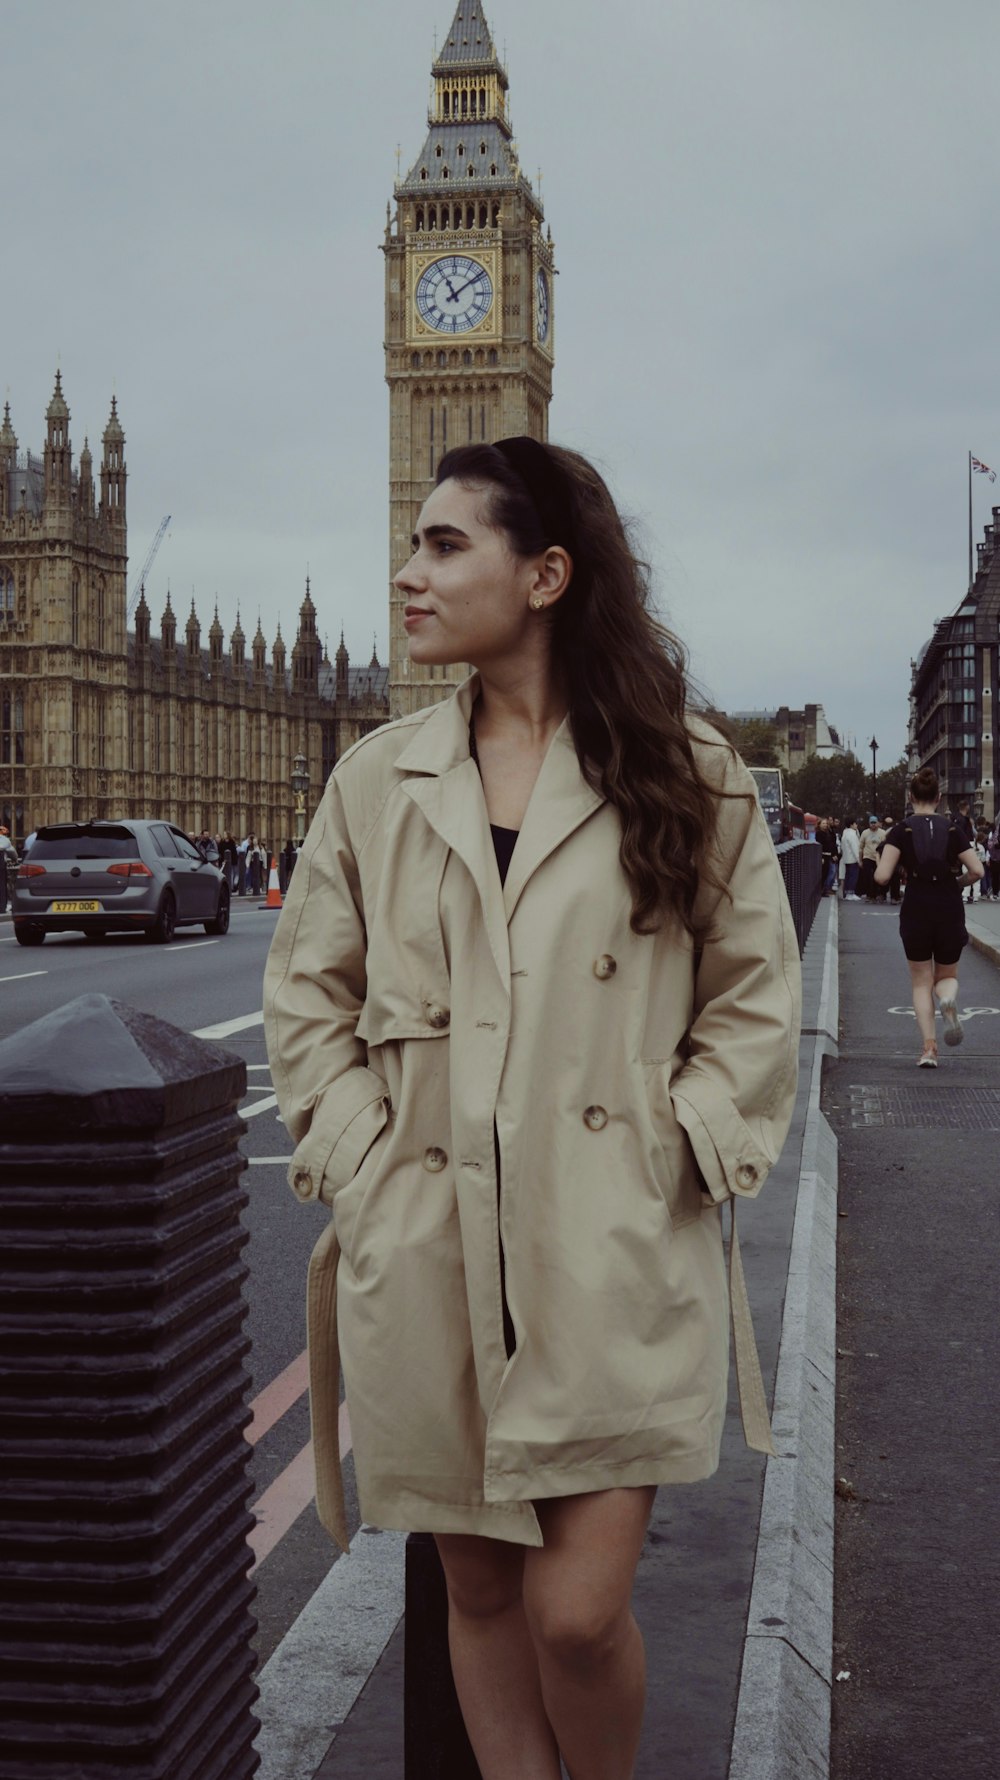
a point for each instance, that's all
(245, 864)
(852, 851)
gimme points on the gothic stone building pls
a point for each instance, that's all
(99, 721)
(954, 690)
(469, 279)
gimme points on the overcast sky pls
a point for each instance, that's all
(776, 227)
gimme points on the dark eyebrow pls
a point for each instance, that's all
(440, 531)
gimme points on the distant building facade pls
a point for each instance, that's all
(797, 734)
(100, 721)
(953, 690)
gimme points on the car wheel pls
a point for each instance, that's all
(162, 930)
(28, 936)
(221, 922)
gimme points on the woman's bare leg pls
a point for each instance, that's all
(577, 1598)
(493, 1659)
(922, 981)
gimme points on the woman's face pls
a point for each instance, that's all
(467, 594)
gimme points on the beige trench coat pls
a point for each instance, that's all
(411, 1003)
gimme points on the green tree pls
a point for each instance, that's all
(892, 789)
(832, 786)
(755, 742)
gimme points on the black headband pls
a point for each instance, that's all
(546, 484)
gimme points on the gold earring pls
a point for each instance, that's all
(537, 603)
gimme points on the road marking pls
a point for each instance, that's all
(258, 1066)
(22, 974)
(321, 1665)
(289, 1495)
(277, 1398)
(192, 945)
(965, 1013)
(259, 1106)
(226, 1028)
(269, 1161)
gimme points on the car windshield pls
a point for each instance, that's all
(85, 843)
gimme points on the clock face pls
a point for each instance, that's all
(454, 294)
(541, 306)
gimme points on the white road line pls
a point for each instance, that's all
(259, 1106)
(226, 1028)
(22, 974)
(269, 1161)
(192, 945)
(322, 1663)
(257, 1066)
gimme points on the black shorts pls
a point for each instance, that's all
(932, 926)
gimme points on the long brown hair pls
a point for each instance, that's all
(625, 677)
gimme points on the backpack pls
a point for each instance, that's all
(928, 843)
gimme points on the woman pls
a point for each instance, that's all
(850, 847)
(532, 1013)
(828, 847)
(932, 920)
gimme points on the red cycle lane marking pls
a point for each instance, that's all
(277, 1398)
(281, 1504)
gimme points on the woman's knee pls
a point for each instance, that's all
(578, 1632)
(483, 1576)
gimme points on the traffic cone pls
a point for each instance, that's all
(273, 887)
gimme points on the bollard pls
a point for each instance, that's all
(436, 1746)
(125, 1604)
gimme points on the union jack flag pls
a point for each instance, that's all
(984, 469)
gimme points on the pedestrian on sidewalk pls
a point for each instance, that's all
(993, 847)
(531, 1008)
(871, 842)
(8, 857)
(850, 849)
(932, 920)
(828, 847)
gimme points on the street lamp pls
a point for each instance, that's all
(300, 785)
(873, 745)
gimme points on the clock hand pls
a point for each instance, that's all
(456, 294)
(451, 287)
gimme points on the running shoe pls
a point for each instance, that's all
(928, 1058)
(953, 1033)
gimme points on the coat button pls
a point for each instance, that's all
(435, 1159)
(302, 1182)
(605, 966)
(595, 1117)
(436, 1015)
(746, 1175)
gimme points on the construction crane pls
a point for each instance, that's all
(140, 580)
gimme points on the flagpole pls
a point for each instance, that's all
(970, 518)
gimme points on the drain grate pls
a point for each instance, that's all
(958, 1109)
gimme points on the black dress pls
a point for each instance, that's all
(932, 918)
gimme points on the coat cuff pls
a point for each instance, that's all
(345, 1124)
(729, 1159)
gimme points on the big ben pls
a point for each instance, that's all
(468, 306)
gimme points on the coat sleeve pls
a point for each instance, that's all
(735, 1094)
(315, 981)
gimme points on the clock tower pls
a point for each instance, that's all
(468, 306)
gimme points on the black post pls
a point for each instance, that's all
(435, 1744)
(125, 1604)
(874, 748)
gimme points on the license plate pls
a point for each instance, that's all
(75, 908)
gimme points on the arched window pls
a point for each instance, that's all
(472, 171)
(494, 356)
(420, 217)
(496, 216)
(415, 360)
(482, 148)
(439, 151)
(460, 149)
(442, 359)
(482, 101)
(470, 214)
(423, 172)
(444, 216)
(483, 215)
(493, 169)
(432, 217)
(447, 104)
(453, 359)
(444, 173)
(465, 102)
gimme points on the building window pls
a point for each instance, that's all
(6, 596)
(12, 729)
(101, 638)
(131, 737)
(76, 737)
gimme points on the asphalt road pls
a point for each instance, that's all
(917, 1565)
(200, 983)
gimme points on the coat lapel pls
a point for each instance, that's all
(449, 793)
(560, 801)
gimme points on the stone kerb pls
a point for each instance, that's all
(125, 1604)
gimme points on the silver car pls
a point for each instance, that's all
(97, 878)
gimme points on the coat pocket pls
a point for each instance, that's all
(676, 1168)
(349, 1200)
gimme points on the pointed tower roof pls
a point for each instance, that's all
(215, 631)
(113, 430)
(8, 437)
(85, 455)
(468, 43)
(260, 641)
(168, 610)
(57, 409)
(307, 609)
(237, 631)
(342, 648)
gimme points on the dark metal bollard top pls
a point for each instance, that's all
(98, 1065)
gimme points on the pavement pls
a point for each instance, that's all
(917, 1571)
(734, 1590)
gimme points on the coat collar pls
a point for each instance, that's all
(450, 795)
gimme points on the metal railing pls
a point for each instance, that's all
(802, 869)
